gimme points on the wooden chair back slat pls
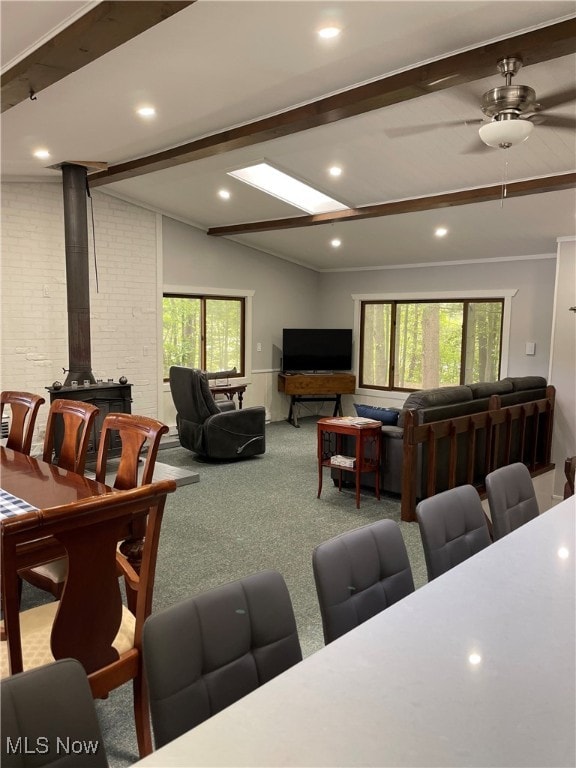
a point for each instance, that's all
(24, 409)
(92, 581)
(77, 418)
(136, 432)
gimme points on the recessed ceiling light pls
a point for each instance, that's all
(42, 154)
(336, 242)
(224, 194)
(327, 33)
(146, 112)
(474, 658)
(279, 184)
(441, 231)
(563, 553)
(335, 170)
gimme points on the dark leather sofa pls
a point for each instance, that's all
(441, 405)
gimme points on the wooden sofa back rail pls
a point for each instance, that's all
(497, 423)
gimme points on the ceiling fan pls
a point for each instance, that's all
(513, 111)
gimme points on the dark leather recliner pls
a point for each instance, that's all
(204, 429)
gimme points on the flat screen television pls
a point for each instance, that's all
(317, 349)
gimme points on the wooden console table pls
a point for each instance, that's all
(308, 387)
(366, 457)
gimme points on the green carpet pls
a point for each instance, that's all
(243, 517)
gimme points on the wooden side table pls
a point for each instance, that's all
(230, 390)
(367, 434)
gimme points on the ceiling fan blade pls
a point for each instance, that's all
(559, 98)
(413, 130)
(477, 148)
(467, 96)
(555, 121)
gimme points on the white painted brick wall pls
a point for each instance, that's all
(34, 328)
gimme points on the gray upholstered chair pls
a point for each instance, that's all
(360, 573)
(511, 497)
(204, 429)
(47, 711)
(453, 527)
(205, 653)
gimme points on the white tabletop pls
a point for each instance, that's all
(401, 690)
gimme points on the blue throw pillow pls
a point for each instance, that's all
(388, 416)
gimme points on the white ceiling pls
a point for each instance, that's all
(218, 64)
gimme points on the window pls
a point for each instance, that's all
(420, 344)
(205, 332)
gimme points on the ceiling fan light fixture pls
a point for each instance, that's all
(505, 133)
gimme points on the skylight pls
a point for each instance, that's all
(286, 188)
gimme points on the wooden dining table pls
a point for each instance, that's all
(28, 483)
(37, 484)
(41, 484)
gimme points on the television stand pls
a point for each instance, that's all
(310, 387)
(315, 373)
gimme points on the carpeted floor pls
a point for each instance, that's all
(240, 518)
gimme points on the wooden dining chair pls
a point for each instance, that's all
(72, 420)
(137, 433)
(24, 409)
(89, 622)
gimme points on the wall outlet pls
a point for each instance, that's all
(259, 347)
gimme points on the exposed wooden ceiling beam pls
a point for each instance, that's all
(448, 200)
(532, 47)
(97, 32)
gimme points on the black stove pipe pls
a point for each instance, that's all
(74, 185)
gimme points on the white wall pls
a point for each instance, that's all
(34, 327)
(563, 361)
(285, 295)
(531, 312)
(139, 252)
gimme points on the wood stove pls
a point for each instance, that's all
(108, 397)
(80, 384)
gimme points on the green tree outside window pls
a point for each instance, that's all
(419, 344)
(203, 332)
